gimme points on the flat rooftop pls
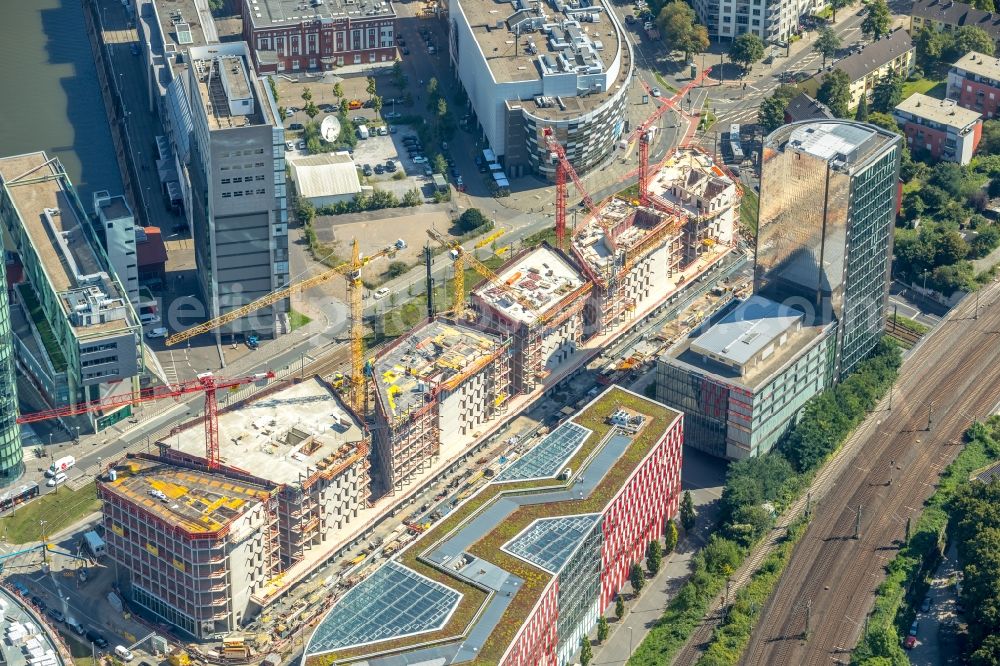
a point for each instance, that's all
(988, 67)
(542, 278)
(225, 75)
(628, 225)
(278, 13)
(186, 23)
(844, 144)
(51, 217)
(115, 208)
(435, 354)
(544, 40)
(195, 501)
(693, 172)
(747, 330)
(526, 526)
(942, 111)
(284, 436)
(743, 331)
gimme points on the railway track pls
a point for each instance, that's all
(831, 577)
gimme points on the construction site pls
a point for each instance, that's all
(540, 304)
(291, 479)
(436, 390)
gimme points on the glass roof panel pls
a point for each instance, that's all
(547, 458)
(548, 542)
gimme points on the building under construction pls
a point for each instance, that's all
(539, 301)
(293, 476)
(436, 388)
(631, 254)
(704, 196)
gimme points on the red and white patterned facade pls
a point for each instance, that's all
(535, 644)
(640, 511)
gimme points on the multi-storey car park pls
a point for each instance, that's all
(540, 304)
(297, 35)
(544, 65)
(75, 333)
(521, 570)
(302, 446)
(436, 389)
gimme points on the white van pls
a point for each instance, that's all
(149, 318)
(124, 653)
(56, 480)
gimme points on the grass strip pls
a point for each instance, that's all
(58, 510)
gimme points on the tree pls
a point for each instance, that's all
(680, 29)
(440, 164)
(888, 92)
(637, 578)
(370, 88)
(826, 44)
(984, 5)
(884, 120)
(344, 108)
(311, 109)
(746, 50)
(654, 556)
(412, 197)
(442, 108)
(396, 268)
(835, 92)
(471, 220)
(307, 94)
(670, 538)
(771, 114)
(619, 607)
(861, 114)
(838, 4)
(877, 19)
(338, 90)
(602, 629)
(931, 45)
(586, 652)
(688, 514)
(990, 142)
(973, 38)
(216, 6)
(377, 104)
(432, 87)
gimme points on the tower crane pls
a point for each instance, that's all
(206, 383)
(461, 258)
(352, 270)
(563, 168)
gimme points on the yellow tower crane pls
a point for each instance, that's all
(352, 270)
(461, 258)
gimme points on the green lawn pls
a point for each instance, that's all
(930, 87)
(59, 510)
(297, 320)
(748, 210)
(707, 120)
(664, 85)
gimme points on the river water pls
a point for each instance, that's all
(49, 95)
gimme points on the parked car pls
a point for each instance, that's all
(95, 638)
(297, 127)
(913, 628)
(159, 332)
(379, 169)
(289, 145)
(419, 159)
(56, 480)
(289, 113)
(367, 169)
(37, 600)
(390, 166)
(301, 145)
(329, 108)
(657, 92)
(56, 614)
(381, 293)
(405, 51)
(354, 104)
(392, 115)
(926, 606)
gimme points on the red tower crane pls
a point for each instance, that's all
(564, 168)
(206, 383)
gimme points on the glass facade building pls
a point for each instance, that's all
(828, 199)
(11, 455)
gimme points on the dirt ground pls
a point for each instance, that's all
(378, 232)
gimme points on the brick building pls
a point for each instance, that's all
(939, 127)
(310, 35)
(974, 82)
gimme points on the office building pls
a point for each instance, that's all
(539, 66)
(771, 21)
(292, 482)
(540, 304)
(436, 389)
(546, 548)
(118, 224)
(76, 335)
(318, 35)
(828, 199)
(949, 16)
(939, 127)
(11, 451)
(742, 379)
(238, 209)
(974, 82)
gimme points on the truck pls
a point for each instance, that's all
(60, 465)
(95, 544)
(363, 131)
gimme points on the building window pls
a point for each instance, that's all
(357, 58)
